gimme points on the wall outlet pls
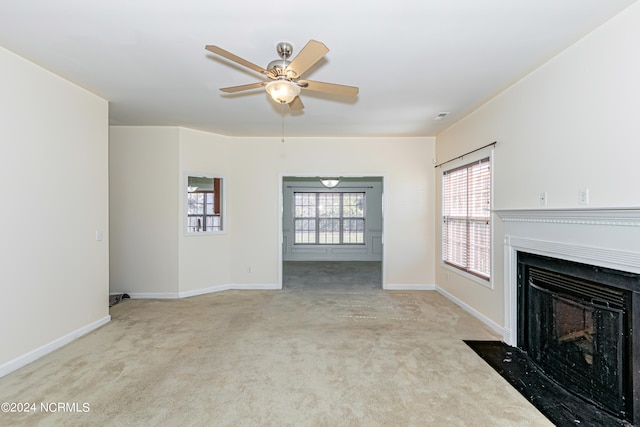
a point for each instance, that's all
(543, 198)
(583, 196)
(249, 269)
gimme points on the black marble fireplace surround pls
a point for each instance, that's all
(580, 325)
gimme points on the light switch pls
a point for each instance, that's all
(99, 235)
(583, 196)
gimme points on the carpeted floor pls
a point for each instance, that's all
(331, 275)
(308, 355)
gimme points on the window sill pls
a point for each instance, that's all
(204, 233)
(468, 276)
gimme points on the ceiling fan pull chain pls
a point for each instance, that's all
(282, 106)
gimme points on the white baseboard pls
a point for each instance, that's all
(211, 289)
(257, 287)
(153, 295)
(203, 291)
(29, 357)
(481, 317)
(403, 287)
(231, 287)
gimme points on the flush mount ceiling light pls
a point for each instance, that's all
(330, 182)
(283, 91)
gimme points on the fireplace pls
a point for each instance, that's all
(572, 300)
(575, 321)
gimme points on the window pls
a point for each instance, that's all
(466, 229)
(204, 204)
(325, 218)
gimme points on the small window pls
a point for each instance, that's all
(328, 218)
(204, 204)
(466, 215)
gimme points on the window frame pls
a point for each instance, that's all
(222, 203)
(341, 218)
(465, 271)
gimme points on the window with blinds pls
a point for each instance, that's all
(466, 229)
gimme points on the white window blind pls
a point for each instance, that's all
(466, 229)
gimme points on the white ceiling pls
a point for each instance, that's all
(411, 59)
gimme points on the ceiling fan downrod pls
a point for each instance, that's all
(285, 50)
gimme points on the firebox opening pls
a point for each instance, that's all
(575, 322)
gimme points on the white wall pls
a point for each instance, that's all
(405, 163)
(571, 124)
(144, 209)
(150, 254)
(204, 259)
(247, 254)
(54, 187)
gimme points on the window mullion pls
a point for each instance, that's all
(204, 211)
(317, 218)
(341, 217)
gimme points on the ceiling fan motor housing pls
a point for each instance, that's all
(278, 66)
(278, 63)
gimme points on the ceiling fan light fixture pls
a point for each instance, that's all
(283, 91)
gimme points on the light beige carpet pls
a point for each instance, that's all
(325, 356)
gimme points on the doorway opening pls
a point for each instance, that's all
(332, 234)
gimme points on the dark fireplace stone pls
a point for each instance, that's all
(561, 407)
(577, 323)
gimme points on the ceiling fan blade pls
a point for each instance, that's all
(311, 53)
(233, 89)
(230, 56)
(296, 104)
(329, 88)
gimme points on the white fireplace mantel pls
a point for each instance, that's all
(619, 217)
(606, 237)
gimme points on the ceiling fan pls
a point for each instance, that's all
(284, 82)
